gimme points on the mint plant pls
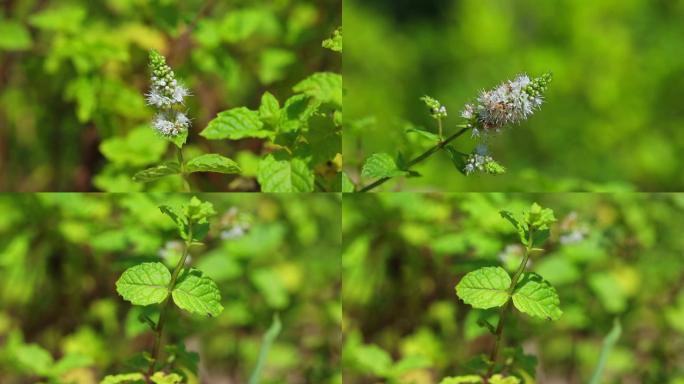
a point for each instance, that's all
(153, 284)
(302, 136)
(528, 292)
(508, 104)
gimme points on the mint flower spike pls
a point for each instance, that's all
(437, 110)
(509, 103)
(167, 95)
(480, 161)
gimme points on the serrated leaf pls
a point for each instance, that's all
(536, 297)
(291, 175)
(155, 173)
(123, 378)
(468, 379)
(296, 112)
(212, 163)
(325, 87)
(144, 284)
(197, 294)
(235, 124)
(269, 110)
(485, 287)
(381, 165)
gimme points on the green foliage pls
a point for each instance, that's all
(334, 43)
(89, 128)
(156, 172)
(268, 340)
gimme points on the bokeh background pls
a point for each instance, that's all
(613, 117)
(61, 320)
(73, 74)
(609, 256)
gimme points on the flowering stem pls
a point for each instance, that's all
(420, 158)
(504, 309)
(154, 356)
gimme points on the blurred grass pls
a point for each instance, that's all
(613, 116)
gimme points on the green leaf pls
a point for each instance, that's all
(269, 110)
(235, 124)
(123, 378)
(536, 297)
(381, 165)
(144, 284)
(155, 173)
(284, 175)
(66, 18)
(178, 140)
(269, 338)
(34, 358)
(500, 379)
(14, 36)
(468, 379)
(334, 43)
(212, 163)
(138, 148)
(326, 87)
(163, 378)
(457, 158)
(198, 294)
(485, 287)
(426, 134)
(296, 112)
(347, 185)
(177, 217)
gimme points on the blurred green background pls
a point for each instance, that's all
(613, 117)
(60, 255)
(609, 255)
(73, 74)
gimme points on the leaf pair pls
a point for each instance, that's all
(149, 283)
(205, 163)
(489, 287)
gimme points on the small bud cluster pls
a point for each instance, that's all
(509, 103)
(480, 161)
(437, 110)
(166, 94)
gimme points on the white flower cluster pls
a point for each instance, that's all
(480, 161)
(509, 103)
(166, 94)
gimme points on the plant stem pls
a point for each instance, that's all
(504, 309)
(186, 183)
(420, 158)
(439, 125)
(154, 356)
